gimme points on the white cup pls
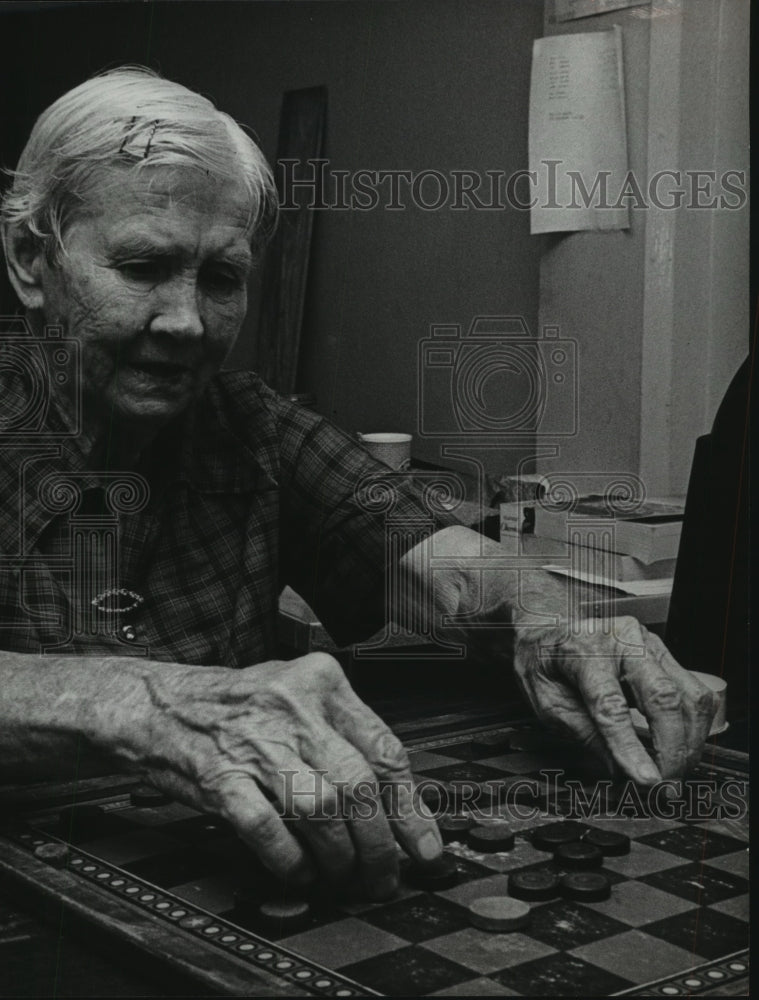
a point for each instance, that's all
(392, 449)
(716, 685)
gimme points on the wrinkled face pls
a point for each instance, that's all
(153, 285)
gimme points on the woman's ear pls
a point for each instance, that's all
(25, 258)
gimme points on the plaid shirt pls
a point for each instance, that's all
(245, 493)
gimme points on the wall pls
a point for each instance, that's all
(414, 85)
(712, 316)
(660, 311)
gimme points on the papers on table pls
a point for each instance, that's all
(637, 588)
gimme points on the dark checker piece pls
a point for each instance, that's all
(54, 854)
(145, 795)
(453, 826)
(434, 876)
(585, 887)
(534, 886)
(578, 854)
(548, 838)
(611, 843)
(490, 839)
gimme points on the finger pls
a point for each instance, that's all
(364, 812)
(559, 706)
(699, 704)
(410, 819)
(600, 689)
(661, 701)
(312, 801)
(255, 819)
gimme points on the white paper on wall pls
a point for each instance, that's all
(577, 134)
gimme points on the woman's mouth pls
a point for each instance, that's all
(159, 369)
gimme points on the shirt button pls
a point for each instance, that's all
(128, 632)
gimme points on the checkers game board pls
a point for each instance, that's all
(181, 885)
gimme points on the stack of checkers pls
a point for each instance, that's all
(573, 872)
(578, 851)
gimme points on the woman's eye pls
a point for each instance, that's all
(142, 270)
(222, 280)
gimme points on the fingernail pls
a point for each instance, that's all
(430, 845)
(650, 773)
(385, 887)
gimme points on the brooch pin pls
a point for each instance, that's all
(109, 601)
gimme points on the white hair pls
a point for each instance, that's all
(129, 117)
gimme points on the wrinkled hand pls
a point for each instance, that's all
(574, 684)
(220, 738)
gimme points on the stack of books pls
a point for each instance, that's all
(598, 539)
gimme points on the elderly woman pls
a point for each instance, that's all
(130, 229)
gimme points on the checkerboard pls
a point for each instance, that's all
(676, 922)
